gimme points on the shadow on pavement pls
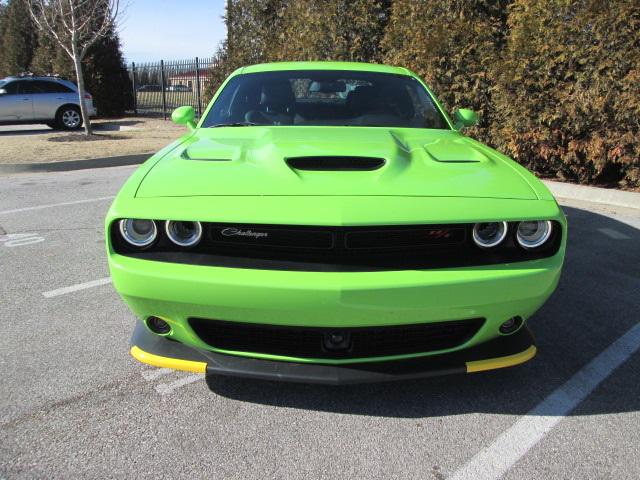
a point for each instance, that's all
(596, 302)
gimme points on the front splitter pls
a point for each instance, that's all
(501, 352)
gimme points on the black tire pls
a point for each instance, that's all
(69, 117)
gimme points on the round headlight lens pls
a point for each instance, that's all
(184, 234)
(139, 233)
(533, 234)
(491, 234)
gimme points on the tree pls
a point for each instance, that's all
(341, 30)
(18, 38)
(75, 25)
(568, 90)
(453, 45)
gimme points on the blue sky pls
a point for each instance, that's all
(171, 29)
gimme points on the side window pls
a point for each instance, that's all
(12, 88)
(43, 86)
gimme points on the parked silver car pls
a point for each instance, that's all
(50, 100)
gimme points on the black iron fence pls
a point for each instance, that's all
(160, 87)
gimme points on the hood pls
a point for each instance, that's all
(330, 161)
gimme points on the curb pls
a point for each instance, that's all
(608, 196)
(66, 166)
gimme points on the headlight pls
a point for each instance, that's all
(533, 234)
(487, 235)
(184, 234)
(139, 233)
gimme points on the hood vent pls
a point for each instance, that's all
(335, 163)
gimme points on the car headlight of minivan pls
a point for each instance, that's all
(533, 234)
(183, 233)
(138, 232)
(489, 234)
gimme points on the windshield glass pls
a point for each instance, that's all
(325, 97)
(2, 83)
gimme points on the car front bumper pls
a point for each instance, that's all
(177, 292)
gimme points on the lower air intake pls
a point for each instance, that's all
(335, 343)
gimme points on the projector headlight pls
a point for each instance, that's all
(490, 234)
(532, 235)
(137, 232)
(184, 234)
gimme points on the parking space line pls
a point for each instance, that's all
(156, 373)
(166, 388)
(62, 204)
(74, 288)
(616, 235)
(494, 461)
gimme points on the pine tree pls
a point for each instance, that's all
(344, 30)
(453, 45)
(569, 89)
(18, 40)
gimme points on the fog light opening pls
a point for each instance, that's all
(511, 326)
(158, 326)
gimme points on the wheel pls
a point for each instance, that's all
(69, 118)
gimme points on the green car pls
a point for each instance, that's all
(328, 222)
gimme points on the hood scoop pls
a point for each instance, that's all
(456, 151)
(335, 163)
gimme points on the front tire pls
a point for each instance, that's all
(69, 118)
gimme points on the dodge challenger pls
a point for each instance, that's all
(329, 222)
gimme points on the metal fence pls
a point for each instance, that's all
(160, 87)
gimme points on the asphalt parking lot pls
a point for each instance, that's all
(74, 404)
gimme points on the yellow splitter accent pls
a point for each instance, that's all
(501, 362)
(166, 362)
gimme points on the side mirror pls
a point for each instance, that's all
(184, 116)
(465, 118)
(3, 91)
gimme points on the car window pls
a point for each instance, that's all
(12, 87)
(44, 86)
(326, 97)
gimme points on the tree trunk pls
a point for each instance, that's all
(77, 62)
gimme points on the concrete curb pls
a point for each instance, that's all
(74, 164)
(585, 193)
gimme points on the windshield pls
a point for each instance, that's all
(325, 97)
(2, 83)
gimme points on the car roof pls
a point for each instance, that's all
(357, 66)
(64, 81)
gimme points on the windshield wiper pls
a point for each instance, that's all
(233, 124)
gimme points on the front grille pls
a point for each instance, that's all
(336, 248)
(311, 342)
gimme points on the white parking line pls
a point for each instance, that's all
(166, 388)
(616, 235)
(62, 204)
(74, 288)
(492, 462)
(156, 373)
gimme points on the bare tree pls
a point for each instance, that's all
(75, 25)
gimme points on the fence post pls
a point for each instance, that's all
(135, 90)
(164, 95)
(198, 88)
